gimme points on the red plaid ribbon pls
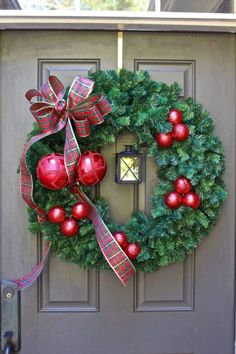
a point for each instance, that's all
(29, 279)
(113, 253)
(52, 114)
(26, 180)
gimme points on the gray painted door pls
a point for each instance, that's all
(184, 308)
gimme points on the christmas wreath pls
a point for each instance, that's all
(190, 158)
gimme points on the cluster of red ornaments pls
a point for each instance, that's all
(69, 225)
(51, 171)
(182, 195)
(180, 131)
(132, 250)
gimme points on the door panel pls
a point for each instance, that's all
(65, 287)
(169, 289)
(195, 62)
(168, 71)
(184, 308)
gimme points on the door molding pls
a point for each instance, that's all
(119, 20)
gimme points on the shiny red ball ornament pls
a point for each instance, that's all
(69, 227)
(56, 214)
(180, 132)
(173, 200)
(51, 172)
(80, 211)
(182, 185)
(175, 116)
(164, 139)
(91, 168)
(191, 200)
(133, 250)
(121, 239)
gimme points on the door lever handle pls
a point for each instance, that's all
(10, 317)
(8, 348)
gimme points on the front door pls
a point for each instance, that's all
(181, 309)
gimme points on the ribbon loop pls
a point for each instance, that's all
(45, 116)
(80, 89)
(82, 126)
(89, 112)
(53, 90)
(102, 104)
(33, 94)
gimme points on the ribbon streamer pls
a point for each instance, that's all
(113, 253)
(29, 279)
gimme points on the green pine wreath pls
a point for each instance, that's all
(141, 106)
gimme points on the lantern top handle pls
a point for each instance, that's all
(129, 149)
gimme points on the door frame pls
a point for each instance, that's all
(120, 20)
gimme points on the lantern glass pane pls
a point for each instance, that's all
(129, 168)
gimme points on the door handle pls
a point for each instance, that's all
(10, 317)
(8, 348)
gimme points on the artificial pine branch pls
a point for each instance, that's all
(141, 106)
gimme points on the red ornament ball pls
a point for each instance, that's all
(175, 116)
(182, 185)
(173, 200)
(69, 227)
(164, 139)
(121, 239)
(56, 214)
(91, 168)
(51, 172)
(80, 211)
(180, 132)
(191, 200)
(133, 250)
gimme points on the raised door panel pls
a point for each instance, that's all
(169, 71)
(65, 287)
(171, 288)
(66, 69)
(155, 291)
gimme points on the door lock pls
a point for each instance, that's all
(10, 317)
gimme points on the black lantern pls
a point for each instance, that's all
(128, 166)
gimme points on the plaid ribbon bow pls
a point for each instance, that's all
(52, 114)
